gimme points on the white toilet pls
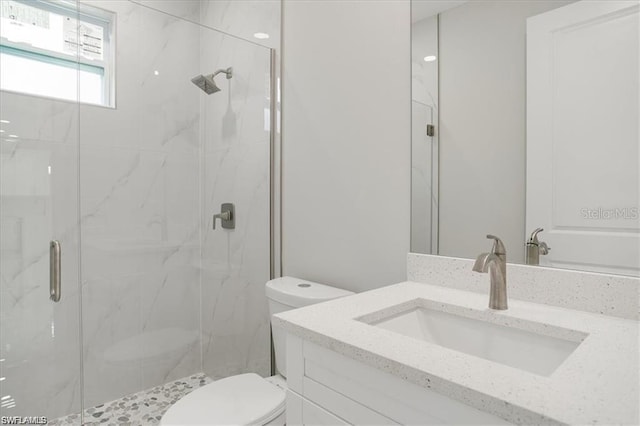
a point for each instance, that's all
(248, 399)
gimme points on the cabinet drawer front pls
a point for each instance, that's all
(393, 398)
(314, 415)
(301, 411)
(344, 407)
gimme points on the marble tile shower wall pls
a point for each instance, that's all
(140, 211)
(244, 19)
(235, 125)
(152, 172)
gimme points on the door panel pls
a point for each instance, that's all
(582, 135)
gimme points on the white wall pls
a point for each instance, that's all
(346, 141)
(482, 125)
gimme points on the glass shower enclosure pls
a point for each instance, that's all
(116, 179)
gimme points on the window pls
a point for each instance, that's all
(57, 49)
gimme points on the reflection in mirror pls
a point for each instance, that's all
(535, 108)
(424, 139)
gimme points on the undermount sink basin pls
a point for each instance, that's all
(537, 353)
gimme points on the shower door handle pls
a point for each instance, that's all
(55, 282)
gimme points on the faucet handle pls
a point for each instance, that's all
(498, 246)
(533, 239)
(544, 248)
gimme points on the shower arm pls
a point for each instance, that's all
(228, 72)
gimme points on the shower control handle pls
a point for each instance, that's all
(55, 282)
(227, 216)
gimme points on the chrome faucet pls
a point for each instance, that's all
(535, 248)
(496, 264)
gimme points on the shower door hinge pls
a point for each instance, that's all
(431, 130)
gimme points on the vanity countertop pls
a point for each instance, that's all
(597, 383)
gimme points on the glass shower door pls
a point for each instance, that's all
(39, 337)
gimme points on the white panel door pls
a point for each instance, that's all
(582, 135)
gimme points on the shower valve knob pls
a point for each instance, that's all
(227, 216)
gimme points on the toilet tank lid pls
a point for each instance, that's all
(296, 292)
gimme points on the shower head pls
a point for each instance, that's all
(206, 82)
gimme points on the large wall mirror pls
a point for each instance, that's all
(524, 117)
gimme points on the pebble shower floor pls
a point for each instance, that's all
(139, 409)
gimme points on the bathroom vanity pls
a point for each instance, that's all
(429, 351)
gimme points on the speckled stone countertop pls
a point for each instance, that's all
(597, 383)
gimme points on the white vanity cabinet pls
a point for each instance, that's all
(326, 388)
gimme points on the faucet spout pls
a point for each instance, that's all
(482, 262)
(495, 263)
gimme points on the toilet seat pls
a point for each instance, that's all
(245, 399)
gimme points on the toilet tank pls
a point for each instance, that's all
(288, 293)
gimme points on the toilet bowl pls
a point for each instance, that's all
(248, 399)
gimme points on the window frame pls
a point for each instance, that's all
(81, 12)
